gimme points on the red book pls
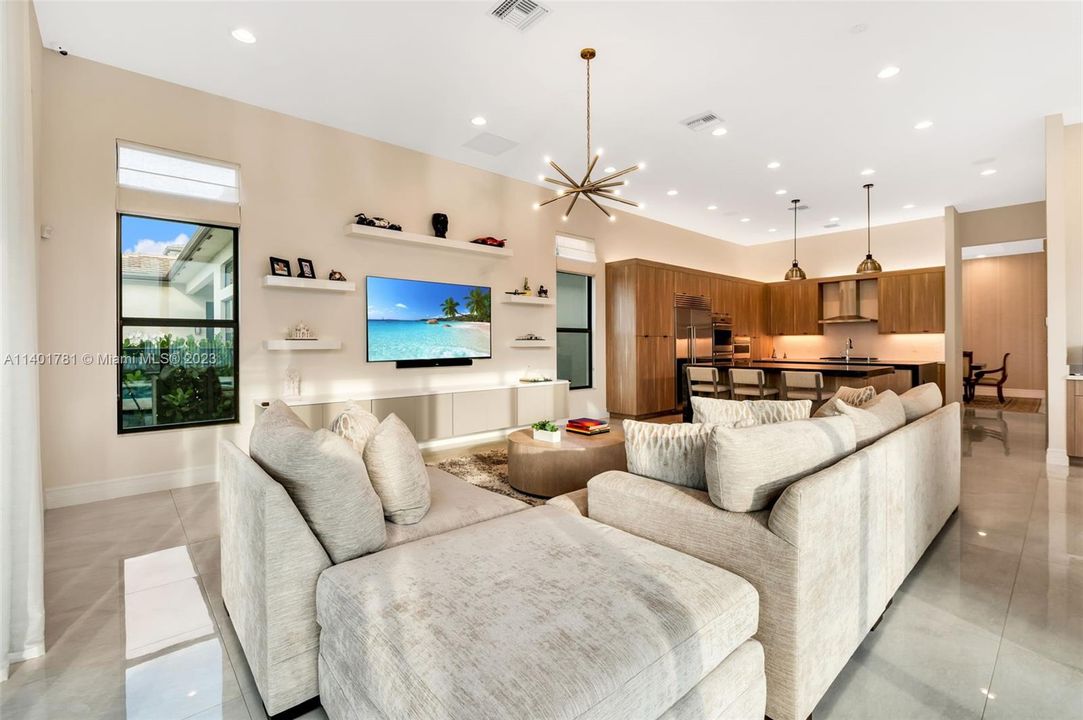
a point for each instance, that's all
(586, 422)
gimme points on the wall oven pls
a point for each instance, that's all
(722, 338)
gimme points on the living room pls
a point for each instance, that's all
(234, 233)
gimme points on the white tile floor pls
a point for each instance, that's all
(989, 624)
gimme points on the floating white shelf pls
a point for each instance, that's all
(526, 300)
(309, 284)
(321, 344)
(531, 344)
(408, 238)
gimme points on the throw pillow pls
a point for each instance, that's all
(748, 469)
(921, 400)
(767, 412)
(356, 424)
(729, 413)
(875, 419)
(398, 472)
(854, 397)
(326, 480)
(671, 453)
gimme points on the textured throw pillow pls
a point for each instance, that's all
(398, 472)
(729, 413)
(326, 480)
(671, 453)
(920, 401)
(767, 412)
(854, 397)
(357, 425)
(875, 419)
(748, 469)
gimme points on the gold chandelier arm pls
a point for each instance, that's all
(589, 197)
(558, 197)
(560, 183)
(563, 174)
(606, 186)
(615, 175)
(609, 196)
(575, 197)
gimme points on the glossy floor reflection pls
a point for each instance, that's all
(989, 624)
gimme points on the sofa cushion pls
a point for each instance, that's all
(767, 412)
(748, 468)
(538, 614)
(671, 453)
(324, 477)
(356, 424)
(875, 419)
(854, 397)
(398, 471)
(921, 400)
(730, 413)
(454, 504)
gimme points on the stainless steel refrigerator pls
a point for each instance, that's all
(694, 337)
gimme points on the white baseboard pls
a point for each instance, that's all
(1056, 457)
(1011, 392)
(66, 495)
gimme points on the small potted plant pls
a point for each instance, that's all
(547, 431)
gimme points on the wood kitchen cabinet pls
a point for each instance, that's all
(780, 315)
(793, 308)
(654, 290)
(692, 283)
(656, 387)
(911, 302)
(724, 296)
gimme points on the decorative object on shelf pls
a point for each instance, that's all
(533, 376)
(439, 224)
(305, 269)
(280, 267)
(516, 291)
(868, 265)
(336, 276)
(604, 187)
(532, 337)
(795, 272)
(301, 331)
(490, 241)
(291, 384)
(526, 286)
(543, 292)
(383, 223)
(546, 431)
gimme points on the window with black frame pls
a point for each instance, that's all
(176, 324)
(575, 329)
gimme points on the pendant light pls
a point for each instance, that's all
(795, 272)
(868, 265)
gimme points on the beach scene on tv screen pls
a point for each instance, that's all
(415, 320)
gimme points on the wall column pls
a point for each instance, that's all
(953, 308)
(1056, 292)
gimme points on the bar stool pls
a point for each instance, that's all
(749, 383)
(704, 381)
(804, 386)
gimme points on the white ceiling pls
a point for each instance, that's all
(794, 82)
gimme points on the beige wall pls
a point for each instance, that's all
(1073, 233)
(301, 183)
(1002, 224)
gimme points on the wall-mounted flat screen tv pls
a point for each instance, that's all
(416, 320)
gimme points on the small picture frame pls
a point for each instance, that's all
(280, 267)
(305, 269)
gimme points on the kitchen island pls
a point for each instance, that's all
(908, 373)
(835, 374)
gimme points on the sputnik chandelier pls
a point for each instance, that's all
(593, 190)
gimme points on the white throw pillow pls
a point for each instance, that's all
(671, 453)
(854, 397)
(728, 413)
(398, 472)
(875, 419)
(326, 480)
(767, 412)
(919, 401)
(356, 424)
(747, 469)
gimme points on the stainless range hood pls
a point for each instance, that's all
(849, 306)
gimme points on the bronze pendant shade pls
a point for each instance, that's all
(869, 264)
(795, 272)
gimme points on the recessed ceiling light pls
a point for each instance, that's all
(772, 230)
(859, 28)
(479, 121)
(923, 125)
(242, 35)
(712, 207)
(774, 165)
(908, 206)
(671, 193)
(780, 192)
(868, 171)
(888, 72)
(641, 206)
(609, 169)
(989, 171)
(746, 219)
(834, 219)
(719, 131)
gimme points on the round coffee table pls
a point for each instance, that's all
(548, 469)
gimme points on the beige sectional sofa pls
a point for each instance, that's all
(826, 556)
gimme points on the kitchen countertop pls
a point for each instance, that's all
(829, 368)
(855, 360)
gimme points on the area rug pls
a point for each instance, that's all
(487, 470)
(1011, 404)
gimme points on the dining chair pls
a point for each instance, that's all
(994, 377)
(746, 382)
(968, 375)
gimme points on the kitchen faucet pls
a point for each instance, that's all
(847, 348)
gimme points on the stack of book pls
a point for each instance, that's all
(587, 426)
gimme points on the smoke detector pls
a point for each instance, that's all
(520, 14)
(701, 121)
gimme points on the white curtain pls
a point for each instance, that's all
(22, 607)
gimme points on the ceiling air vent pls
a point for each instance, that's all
(701, 121)
(831, 225)
(520, 14)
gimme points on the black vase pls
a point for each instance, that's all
(439, 224)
